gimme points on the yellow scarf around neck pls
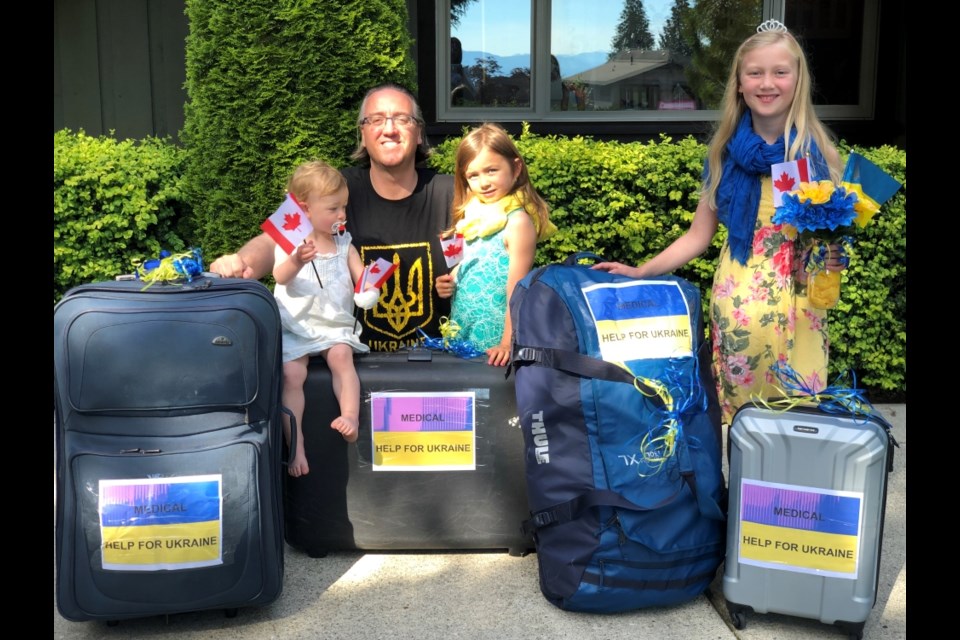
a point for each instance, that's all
(482, 219)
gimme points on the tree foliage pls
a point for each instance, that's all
(714, 29)
(633, 30)
(272, 83)
(458, 9)
(673, 38)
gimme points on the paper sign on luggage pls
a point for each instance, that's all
(150, 524)
(640, 319)
(423, 431)
(802, 529)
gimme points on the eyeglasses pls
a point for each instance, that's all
(399, 120)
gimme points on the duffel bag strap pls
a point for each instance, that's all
(580, 365)
(709, 508)
(573, 509)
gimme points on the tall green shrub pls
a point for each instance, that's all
(628, 201)
(113, 202)
(272, 83)
(868, 327)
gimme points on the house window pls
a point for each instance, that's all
(635, 59)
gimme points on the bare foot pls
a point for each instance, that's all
(298, 466)
(349, 428)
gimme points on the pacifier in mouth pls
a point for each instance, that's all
(338, 228)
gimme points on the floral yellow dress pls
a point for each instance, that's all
(760, 315)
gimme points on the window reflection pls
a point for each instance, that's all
(673, 59)
(664, 55)
(493, 38)
(606, 55)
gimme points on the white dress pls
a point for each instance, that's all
(315, 317)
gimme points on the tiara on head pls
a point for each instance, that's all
(771, 25)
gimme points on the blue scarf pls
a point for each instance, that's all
(748, 158)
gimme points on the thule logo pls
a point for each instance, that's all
(222, 341)
(541, 445)
(799, 428)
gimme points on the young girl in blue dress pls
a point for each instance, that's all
(759, 309)
(501, 217)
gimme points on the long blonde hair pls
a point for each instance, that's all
(493, 137)
(801, 114)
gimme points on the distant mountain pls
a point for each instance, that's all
(570, 64)
(580, 62)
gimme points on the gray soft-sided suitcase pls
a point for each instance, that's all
(168, 448)
(808, 492)
(355, 499)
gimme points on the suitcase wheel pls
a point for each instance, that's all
(230, 613)
(854, 630)
(739, 620)
(738, 614)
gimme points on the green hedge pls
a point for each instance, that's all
(868, 327)
(272, 83)
(628, 201)
(113, 202)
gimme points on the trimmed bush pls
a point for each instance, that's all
(113, 202)
(868, 327)
(272, 83)
(628, 201)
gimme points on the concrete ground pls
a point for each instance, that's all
(492, 595)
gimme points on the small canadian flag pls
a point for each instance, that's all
(452, 249)
(288, 225)
(375, 274)
(787, 177)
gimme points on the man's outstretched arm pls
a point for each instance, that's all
(253, 260)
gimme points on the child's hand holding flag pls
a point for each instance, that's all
(367, 291)
(452, 249)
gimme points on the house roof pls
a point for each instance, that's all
(624, 66)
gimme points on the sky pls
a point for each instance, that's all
(579, 25)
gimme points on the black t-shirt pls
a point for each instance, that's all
(407, 233)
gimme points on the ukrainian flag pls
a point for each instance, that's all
(872, 185)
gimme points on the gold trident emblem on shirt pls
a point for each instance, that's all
(397, 306)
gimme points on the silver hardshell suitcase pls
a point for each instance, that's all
(808, 493)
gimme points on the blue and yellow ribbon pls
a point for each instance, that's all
(678, 396)
(835, 398)
(449, 342)
(820, 252)
(169, 268)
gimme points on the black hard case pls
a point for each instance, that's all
(171, 381)
(344, 504)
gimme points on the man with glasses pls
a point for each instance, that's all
(396, 211)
